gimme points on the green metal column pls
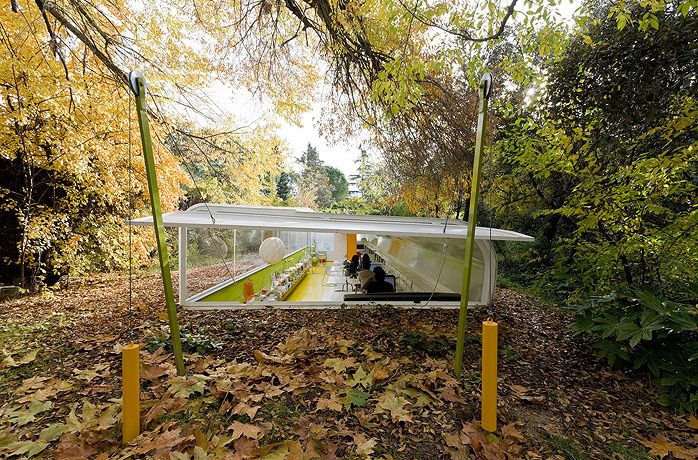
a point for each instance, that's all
(137, 82)
(484, 93)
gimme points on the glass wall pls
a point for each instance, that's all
(217, 255)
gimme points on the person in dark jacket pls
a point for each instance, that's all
(353, 265)
(378, 284)
(365, 262)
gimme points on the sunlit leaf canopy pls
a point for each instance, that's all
(389, 49)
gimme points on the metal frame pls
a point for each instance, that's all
(484, 93)
(138, 86)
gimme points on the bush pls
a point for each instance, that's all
(646, 331)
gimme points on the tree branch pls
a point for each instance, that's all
(464, 34)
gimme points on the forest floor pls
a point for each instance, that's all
(275, 384)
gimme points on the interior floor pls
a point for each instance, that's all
(324, 282)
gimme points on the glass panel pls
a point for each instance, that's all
(210, 258)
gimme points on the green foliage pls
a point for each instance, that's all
(432, 346)
(313, 184)
(284, 185)
(339, 186)
(642, 329)
(608, 191)
(200, 342)
(603, 169)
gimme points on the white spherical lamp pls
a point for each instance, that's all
(272, 250)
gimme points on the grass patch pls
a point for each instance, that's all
(628, 453)
(566, 447)
(200, 342)
(433, 346)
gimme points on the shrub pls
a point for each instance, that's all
(432, 346)
(646, 331)
(200, 343)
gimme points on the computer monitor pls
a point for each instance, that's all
(390, 279)
(374, 265)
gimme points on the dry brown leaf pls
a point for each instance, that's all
(452, 440)
(155, 371)
(511, 433)
(247, 430)
(262, 357)
(364, 445)
(492, 451)
(519, 389)
(333, 403)
(449, 394)
(660, 445)
(162, 441)
(242, 408)
(71, 448)
(693, 422)
(26, 359)
(245, 447)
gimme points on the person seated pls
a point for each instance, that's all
(365, 275)
(365, 262)
(353, 267)
(378, 283)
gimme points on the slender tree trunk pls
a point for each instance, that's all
(26, 218)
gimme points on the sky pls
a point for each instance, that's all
(246, 108)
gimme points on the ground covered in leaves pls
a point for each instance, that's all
(280, 384)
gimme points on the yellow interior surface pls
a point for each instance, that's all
(311, 287)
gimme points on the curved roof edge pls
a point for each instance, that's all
(209, 215)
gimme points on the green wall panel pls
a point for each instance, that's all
(260, 279)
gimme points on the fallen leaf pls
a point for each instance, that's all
(360, 377)
(332, 403)
(355, 397)
(511, 433)
(660, 445)
(395, 405)
(163, 442)
(71, 447)
(246, 430)
(21, 416)
(27, 448)
(26, 359)
(364, 446)
(155, 371)
(262, 357)
(340, 364)
(449, 394)
(53, 432)
(242, 408)
(693, 422)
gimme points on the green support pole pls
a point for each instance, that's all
(484, 93)
(137, 82)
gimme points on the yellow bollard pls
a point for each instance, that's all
(489, 376)
(131, 387)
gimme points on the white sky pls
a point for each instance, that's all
(247, 108)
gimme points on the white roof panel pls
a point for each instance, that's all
(208, 215)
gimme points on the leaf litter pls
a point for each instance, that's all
(315, 384)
